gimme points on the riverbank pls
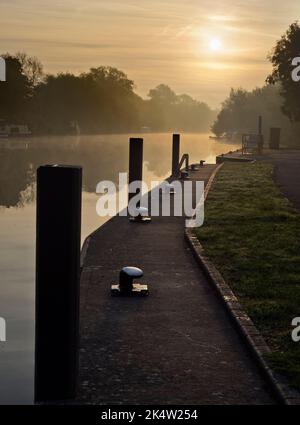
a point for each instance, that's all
(252, 235)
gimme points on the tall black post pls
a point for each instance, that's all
(57, 281)
(175, 154)
(135, 163)
(261, 137)
(260, 124)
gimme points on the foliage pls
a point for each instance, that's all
(241, 109)
(170, 112)
(286, 49)
(15, 92)
(101, 100)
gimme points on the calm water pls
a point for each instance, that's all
(102, 158)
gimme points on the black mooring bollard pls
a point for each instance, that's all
(57, 281)
(135, 163)
(127, 287)
(127, 274)
(175, 154)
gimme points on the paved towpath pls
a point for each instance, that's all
(287, 173)
(175, 347)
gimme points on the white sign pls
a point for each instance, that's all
(2, 69)
(296, 71)
(2, 330)
(296, 331)
(111, 201)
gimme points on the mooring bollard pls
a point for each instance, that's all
(135, 164)
(274, 142)
(126, 287)
(141, 215)
(127, 274)
(184, 175)
(57, 281)
(175, 154)
(169, 188)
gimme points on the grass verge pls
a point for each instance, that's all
(252, 234)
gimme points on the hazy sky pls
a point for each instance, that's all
(200, 47)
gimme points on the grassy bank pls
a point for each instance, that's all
(252, 234)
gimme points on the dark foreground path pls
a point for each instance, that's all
(175, 347)
(287, 173)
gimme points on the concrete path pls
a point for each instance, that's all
(287, 173)
(175, 347)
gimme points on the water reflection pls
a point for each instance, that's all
(102, 158)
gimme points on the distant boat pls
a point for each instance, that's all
(14, 130)
(145, 129)
(75, 128)
(217, 137)
(230, 136)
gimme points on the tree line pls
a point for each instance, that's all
(102, 100)
(277, 101)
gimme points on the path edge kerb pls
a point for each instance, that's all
(245, 326)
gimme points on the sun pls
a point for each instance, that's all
(215, 44)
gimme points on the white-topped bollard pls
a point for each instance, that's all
(141, 215)
(184, 175)
(126, 285)
(169, 189)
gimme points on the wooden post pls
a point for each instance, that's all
(135, 163)
(57, 281)
(274, 142)
(261, 137)
(175, 154)
(260, 124)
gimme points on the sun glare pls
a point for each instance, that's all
(215, 44)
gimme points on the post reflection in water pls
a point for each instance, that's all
(102, 158)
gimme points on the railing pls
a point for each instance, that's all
(252, 143)
(185, 158)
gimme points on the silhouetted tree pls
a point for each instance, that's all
(101, 100)
(167, 111)
(14, 92)
(32, 68)
(286, 49)
(58, 102)
(115, 103)
(240, 112)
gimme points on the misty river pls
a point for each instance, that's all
(102, 158)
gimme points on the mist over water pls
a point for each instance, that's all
(102, 158)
